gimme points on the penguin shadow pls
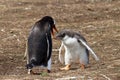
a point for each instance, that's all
(35, 73)
(80, 68)
(73, 68)
(40, 73)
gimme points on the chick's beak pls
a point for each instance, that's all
(52, 31)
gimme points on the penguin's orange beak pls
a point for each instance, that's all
(54, 28)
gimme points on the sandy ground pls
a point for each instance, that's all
(97, 20)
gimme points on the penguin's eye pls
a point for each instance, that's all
(63, 35)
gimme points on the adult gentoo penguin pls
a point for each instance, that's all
(76, 49)
(39, 45)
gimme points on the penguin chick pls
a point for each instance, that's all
(76, 49)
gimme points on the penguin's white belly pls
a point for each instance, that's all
(73, 50)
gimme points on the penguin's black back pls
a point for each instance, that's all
(38, 44)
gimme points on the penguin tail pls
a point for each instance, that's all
(31, 64)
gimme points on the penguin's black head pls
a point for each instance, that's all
(51, 22)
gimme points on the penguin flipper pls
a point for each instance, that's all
(92, 52)
(61, 56)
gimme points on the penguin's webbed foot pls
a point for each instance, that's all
(82, 66)
(67, 67)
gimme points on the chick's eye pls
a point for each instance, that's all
(63, 35)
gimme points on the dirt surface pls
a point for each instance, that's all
(97, 20)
